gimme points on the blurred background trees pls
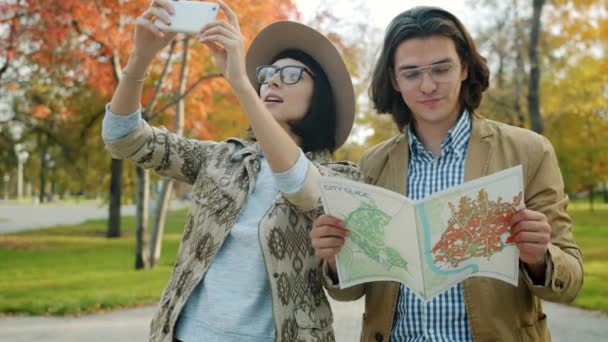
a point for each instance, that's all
(61, 60)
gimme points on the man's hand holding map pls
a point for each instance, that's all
(430, 244)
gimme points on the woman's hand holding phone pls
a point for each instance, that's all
(228, 47)
(148, 41)
(148, 38)
(224, 38)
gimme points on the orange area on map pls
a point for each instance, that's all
(475, 229)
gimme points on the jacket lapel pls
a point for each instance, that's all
(479, 150)
(394, 175)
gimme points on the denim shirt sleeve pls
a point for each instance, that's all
(115, 126)
(292, 180)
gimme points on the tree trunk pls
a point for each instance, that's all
(534, 85)
(167, 184)
(115, 167)
(114, 206)
(520, 67)
(42, 193)
(591, 193)
(141, 222)
(160, 214)
(142, 243)
(51, 195)
(519, 85)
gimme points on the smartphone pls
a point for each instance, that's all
(190, 16)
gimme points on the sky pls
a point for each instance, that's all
(381, 11)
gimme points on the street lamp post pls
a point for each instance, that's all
(7, 178)
(51, 166)
(21, 159)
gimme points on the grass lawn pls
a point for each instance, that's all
(75, 269)
(591, 233)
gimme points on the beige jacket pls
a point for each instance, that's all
(223, 175)
(497, 311)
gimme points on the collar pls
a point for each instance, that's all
(456, 139)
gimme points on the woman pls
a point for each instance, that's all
(245, 270)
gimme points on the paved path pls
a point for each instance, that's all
(16, 217)
(566, 323)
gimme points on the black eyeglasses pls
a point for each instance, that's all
(289, 74)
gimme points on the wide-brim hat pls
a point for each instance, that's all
(285, 35)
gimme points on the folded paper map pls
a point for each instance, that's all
(430, 244)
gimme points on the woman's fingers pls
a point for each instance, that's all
(159, 13)
(224, 41)
(214, 46)
(147, 24)
(226, 36)
(220, 30)
(146, 20)
(232, 18)
(165, 4)
(221, 26)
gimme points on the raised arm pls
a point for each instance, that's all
(227, 44)
(148, 40)
(125, 134)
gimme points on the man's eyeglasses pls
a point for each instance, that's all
(440, 73)
(289, 74)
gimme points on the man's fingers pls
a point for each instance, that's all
(327, 231)
(327, 236)
(328, 254)
(527, 215)
(328, 220)
(530, 226)
(328, 242)
(531, 252)
(531, 237)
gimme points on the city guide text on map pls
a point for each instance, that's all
(431, 244)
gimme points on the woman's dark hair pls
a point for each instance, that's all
(317, 128)
(424, 22)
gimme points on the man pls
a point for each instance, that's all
(430, 78)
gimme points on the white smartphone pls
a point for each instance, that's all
(190, 16)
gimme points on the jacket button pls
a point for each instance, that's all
(276, 275)
(379, 337)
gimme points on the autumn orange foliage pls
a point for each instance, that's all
(88, 40)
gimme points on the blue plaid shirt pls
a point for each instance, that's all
(443, 318)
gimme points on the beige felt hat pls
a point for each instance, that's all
(285, 35)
